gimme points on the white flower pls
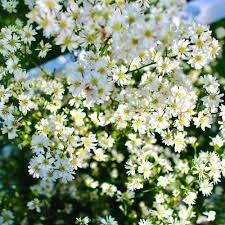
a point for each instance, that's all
(109, 189)
(34, 205)
(12, 64)
(211, 215)
(108, 220)
(39, 142)
(164, 65)
(145, 168)
(48, 24)
(89, 142)
(6, 217)
(10, 5)
(190, 198)
(145, 3)
(120, 76)
(10, 126)
(25, 103)
(212, 101)
(206, 187)
(48, 5)
(44, 49)
(163, 181)
(135, 183)
(220, 32)
(218, 141)
(179, 142)
(198, 59)
(181, 49)
(144, 222)
(27, 34)
(99, 155)
(78, 116)
(67, 41)
(210, 83)
(139, 125)
(83, 221)
(203, 120)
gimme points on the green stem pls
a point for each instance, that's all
(131, 71)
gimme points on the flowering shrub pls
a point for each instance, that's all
(129, 130)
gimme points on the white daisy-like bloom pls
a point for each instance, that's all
(190, 198)
(125, 118)
(108, 220)
(144, 222)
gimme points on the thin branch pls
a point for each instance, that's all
(131, 71)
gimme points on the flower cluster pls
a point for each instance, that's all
(127, 32)
(129, 109)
